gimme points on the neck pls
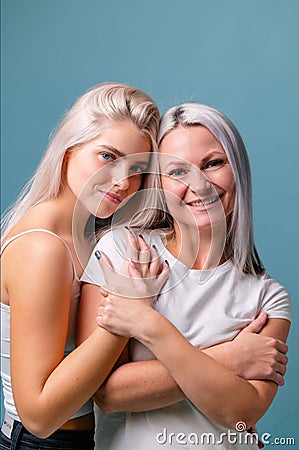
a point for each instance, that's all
(72, 217)
(198, 248)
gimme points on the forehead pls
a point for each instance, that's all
(123, 130)
(186, 140)
(123, 138)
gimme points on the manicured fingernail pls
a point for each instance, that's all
(98, 254)
(127, 228)
(154, 247)
(140, 235)
(167, 262)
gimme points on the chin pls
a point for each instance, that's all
(104, 214)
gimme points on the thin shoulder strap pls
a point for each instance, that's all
(44, 231)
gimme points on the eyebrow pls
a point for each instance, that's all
(113, 149)
(182, 162)
(120, 154)
(178, 164)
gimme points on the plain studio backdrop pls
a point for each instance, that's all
(239, 56)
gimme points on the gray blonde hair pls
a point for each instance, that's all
(240, 247)
(116, 102)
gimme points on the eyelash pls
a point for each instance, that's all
(180, 172)
(137, 170)
(173, 173)
(111, 157)
(214, 163)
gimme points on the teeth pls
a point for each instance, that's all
(205, 202)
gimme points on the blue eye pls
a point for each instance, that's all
(137, 169)
(107, 156)
(176, 173)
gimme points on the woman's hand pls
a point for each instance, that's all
(142, 256)
(142, 274)
(129, 295)
(258, 357)
(123, 315)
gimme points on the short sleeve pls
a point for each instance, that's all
(275, 300)
(113, 245)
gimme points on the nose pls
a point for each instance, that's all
(120, 177)
(199, 183)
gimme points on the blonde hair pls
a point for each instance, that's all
(116, 102)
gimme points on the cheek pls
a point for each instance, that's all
(79, 168)
(174, 191)
(231, 189)
(233, 197)
(230, 198)
(173, 187)
(224, 179)
(134, 183)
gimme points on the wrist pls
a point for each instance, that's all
(150, 328)
(231, 353)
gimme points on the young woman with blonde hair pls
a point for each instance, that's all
(94, 162)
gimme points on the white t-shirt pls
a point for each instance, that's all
(208, 307)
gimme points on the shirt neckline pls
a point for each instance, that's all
(193, 273)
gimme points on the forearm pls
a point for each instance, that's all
(138, 386)
(222, 354)
(45, 407)
(210, 387)
(147, 385)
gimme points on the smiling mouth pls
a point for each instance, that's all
(206, 202)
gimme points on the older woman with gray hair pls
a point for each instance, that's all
(194, 390)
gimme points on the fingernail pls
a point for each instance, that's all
(127, 228)
(140, 235)
(98, 254)
(154, 247)
(167, 262)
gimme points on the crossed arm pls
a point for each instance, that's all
(211, 379)
(213, 389)
(148, 385)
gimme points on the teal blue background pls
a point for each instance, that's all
(237, 55)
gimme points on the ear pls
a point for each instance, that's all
(64, 165)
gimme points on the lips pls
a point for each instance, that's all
(111, 197)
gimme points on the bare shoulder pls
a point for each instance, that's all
(39, 253)
(37, 243)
